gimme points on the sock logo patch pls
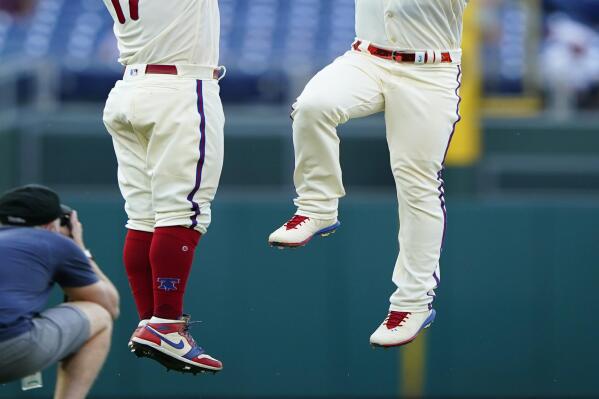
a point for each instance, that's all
(168, 284)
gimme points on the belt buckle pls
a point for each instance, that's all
(397, 55)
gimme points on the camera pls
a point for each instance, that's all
(65, 218)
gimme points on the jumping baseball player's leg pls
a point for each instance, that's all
(421, 114)
(134, 182)
(348, 88)
(184, 121)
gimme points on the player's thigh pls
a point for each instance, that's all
(185, 153)
(348, 88)
(421, 113)
(130, 148)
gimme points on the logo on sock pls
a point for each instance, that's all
(168, 284)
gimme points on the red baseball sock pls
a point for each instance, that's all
(171, 256)
(136, 256)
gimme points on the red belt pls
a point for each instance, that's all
(172, 70)
(161, 69)
(401, 56)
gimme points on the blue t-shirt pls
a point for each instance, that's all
(31, 261)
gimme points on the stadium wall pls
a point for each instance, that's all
(517, 311)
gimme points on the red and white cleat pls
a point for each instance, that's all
(141, 325)
(299, 230)
(170, 343)
(401, 328)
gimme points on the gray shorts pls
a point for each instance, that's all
(56, 333)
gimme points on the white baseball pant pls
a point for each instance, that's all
(421, 105)
(167, 132)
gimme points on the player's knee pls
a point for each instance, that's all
(417, 181)
(314, 109)
(415, 169)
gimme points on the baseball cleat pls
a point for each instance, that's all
(401, 328)
(170, 343)
(141, 325)
(299, 230)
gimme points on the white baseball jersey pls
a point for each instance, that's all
(166, 32)
(411, 24)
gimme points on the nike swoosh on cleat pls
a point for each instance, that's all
(178, 345)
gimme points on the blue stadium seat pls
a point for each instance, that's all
(263, 42)
(257, 35)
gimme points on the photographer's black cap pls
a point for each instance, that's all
(30, 205)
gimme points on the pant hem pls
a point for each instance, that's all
(139, 227)
(201, 228)
(317, 215)
(409, 309)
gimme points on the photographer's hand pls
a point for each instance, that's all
(77, 230)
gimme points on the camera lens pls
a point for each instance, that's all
(65, 219)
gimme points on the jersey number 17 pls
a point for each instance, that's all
(133, 10)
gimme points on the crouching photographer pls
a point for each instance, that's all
(41, 243)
